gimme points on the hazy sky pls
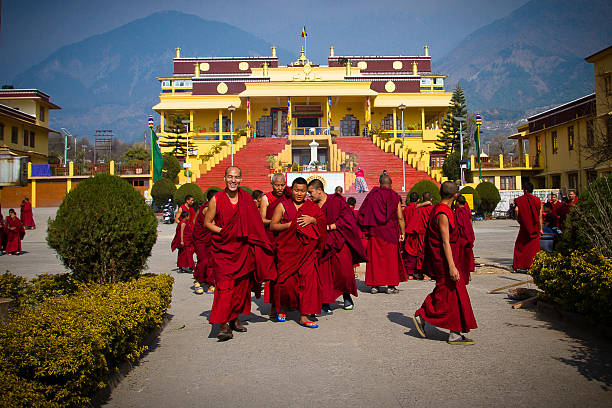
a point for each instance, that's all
(31, 30)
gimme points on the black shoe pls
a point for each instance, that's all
(348, 302)
(326, 309)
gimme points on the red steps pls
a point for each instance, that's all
(252, 161)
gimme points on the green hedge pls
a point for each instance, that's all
(475, 195)
(579, 282)
(427, 185)
(489, 197)
(32, 293)
(162, 191)
(62, 351)
(171, 167)
(190, 189)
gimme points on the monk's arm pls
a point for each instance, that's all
(401, 221)
(211, 211)
(448, 252)
(516, 212)
(275, 225)
(178, 214)
(183, 234)
(263, 209)
(541, 220)
(423, 204)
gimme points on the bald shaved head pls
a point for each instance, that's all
(233, 167)
(385, 181)
(448, 189)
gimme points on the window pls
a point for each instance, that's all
(507, 183)
(42, 114)
(608, 84)
(556, 181)
(349, 126)
(14, 135)
(572, 181)
(555, 142)
(591, 176)
(425, 81)
(165, 83)
(489, 179)
(387, 123)
(226, 124)
(436, 160)
(1, 131)
(32, 139)
(439, 81)
(570, 138)
(183, 82)
(263, 126)
(590, 133)
(538, 145)
(25, 138)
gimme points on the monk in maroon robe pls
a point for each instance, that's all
(529, 216)
(381, 214)
(342, 249)
(183, 241)
(301, 226)
(2, 233)
(241, 253)
(14, 233)
(410, 247)
(203, 272)
(416, 230)
(573, 198)
(186, 206)
(448, 306)
(27, 218)
(465, 240)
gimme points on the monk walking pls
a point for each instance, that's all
(529, 216)
(27, 218)
(183, 241)
(14, 233)
(465, 241)
(203, 272)
(301, 226)
(448, 306)
(381, 214)
(342, 249)
(411, 242)
(241, 253)
(186, 206)
(416, 228)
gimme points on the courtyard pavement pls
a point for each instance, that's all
(369, 357)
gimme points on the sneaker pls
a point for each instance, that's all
(419, 323)
(348, 302)
(459, 339)
(326, 309)
(211, 289)
(374, 290)
(392, 290)
(198, 290)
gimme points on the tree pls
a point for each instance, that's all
(427, 186)
(176, 135)
(136, 154)
(489, 197)
(450, 168)
(448, 141)
(500, 144)
(171, 167)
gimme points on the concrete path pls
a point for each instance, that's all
(368, 357)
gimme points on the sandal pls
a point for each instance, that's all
(309, 324)
(281, 317)
(211, 289)
(198, 290)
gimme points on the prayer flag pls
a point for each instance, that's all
(158, 159)
(304, 32)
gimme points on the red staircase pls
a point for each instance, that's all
(373, 161)
(252, 161)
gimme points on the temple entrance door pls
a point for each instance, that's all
(279, 121)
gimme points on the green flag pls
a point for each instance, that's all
(477, 140)
(158, 159)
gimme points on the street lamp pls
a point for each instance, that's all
(460, 119)
(66, 147)
(231, 108)
(401, 108)
(186, 165)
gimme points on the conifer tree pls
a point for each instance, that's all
(176, 135)
(448, 141)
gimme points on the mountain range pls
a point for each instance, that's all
(527, 61)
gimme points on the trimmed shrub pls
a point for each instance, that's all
(427, 185)
(171, 167)
(103, 230)
(14, 287)
(489, 197)
(475, 195)
(213, 188)
(450, 168)
(190, 189)
(32, 293)
(162, 191)
(61, 352)
(247, 189)
(579, 282)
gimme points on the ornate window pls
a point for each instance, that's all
(226, 124)
(349, 126)
(507, 183)
(555, 142)
(570, 138)
(263, 126)
(387, 122)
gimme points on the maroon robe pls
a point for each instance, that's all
(465, 242)
(378, 214)
(13, 237)
(203, 272)
(416, 230)
(411, 242)
(185, 252)
(561, 211)
(191, 211)
(448, 306)
(2, 231)
(273, 202)
(297, 255)
(27, 218)
(342, 250)
(241, 256)
(527, 243)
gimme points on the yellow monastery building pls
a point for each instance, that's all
(24, 123)
(302, 103)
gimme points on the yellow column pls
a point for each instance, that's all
(192, 124)
(220, 124)
(422, 121)
(162, 121)
(327, 115)
(289, 116)
(394, 122)
(112, 168)
(369, 113)
(33, 194)
(527, 160)
(501, 161)
(70, 174)
(249, 113)
(29, 170)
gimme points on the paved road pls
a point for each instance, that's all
(368, 357)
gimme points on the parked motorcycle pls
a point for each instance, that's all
(168, 213)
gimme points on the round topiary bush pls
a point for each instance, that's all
(450, 168)
(162, 191)
(427, 185)
(103, 230)
(213, 188)
(489, 197)
(190, 189)
(475, 196)
(171, 167)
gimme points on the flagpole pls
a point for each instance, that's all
(478, 123)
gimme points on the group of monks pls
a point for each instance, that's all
(299, 245)
(12, 228)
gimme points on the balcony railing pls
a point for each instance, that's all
(123, 169)
(305, 131)
(89, 169)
